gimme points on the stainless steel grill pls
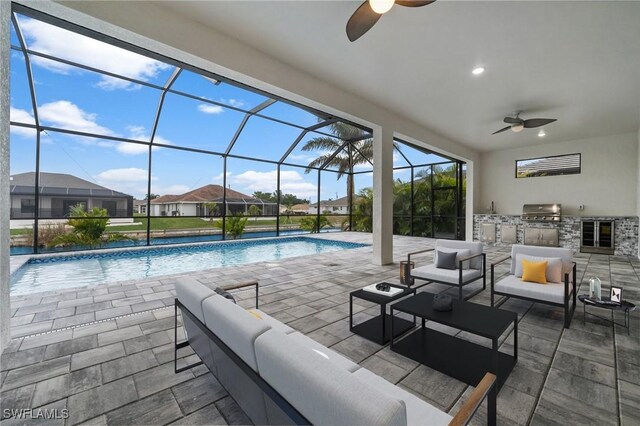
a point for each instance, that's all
(542, 212)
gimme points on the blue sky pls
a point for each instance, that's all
(76, 99)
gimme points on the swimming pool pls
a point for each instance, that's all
(76, 270)
(20, 250)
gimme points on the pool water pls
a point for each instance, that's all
(59, 272)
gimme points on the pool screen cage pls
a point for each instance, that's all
(293, 145)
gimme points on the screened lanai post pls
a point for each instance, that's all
(36, 119)
(172, 78)
(318, 209)
(5, 54)
(278, 201)
(224, 196)
(382, 195)
(350, 187)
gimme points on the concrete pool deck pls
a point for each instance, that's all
(104, 352)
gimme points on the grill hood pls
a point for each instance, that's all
(542, 212)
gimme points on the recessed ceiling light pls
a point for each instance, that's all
(477, 70)
(541, 133)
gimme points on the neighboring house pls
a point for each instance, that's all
(59, 192)
(198, 203)
(140, 206)
(297, 209)
(337, 206)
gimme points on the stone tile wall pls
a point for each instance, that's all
(626, 230)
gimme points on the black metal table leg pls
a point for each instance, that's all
(515, 339)
(383, 311)
(493, 394)
(350, 312)
(392, 330)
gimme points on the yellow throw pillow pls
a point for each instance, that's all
(535, 272)
(255, 314)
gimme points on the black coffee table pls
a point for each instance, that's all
(451, 355)
(623, 306)
(375, 329)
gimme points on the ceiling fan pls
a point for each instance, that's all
(517, 124)
(370, 11)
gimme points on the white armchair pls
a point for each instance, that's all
(557, 292)
(471, 266)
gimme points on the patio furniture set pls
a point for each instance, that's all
(280, 376)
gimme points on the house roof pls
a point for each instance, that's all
(208, 194)
(300, 207)
(338, 202)
(59, 184)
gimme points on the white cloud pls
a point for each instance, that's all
(21, 116)
(139, 133)
(210, 109)
(218, 178)
(291, 182)
(123, 175)
(67, 115)
(233, 102)
(45, 38)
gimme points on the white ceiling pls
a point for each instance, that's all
(578, 62)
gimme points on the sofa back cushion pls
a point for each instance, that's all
(323, 393)
(192, 293)
(236, 327)
(563, 253)
(473, 247)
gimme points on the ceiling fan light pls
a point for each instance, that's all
(381, 6)
(517, 128)
(541, 133)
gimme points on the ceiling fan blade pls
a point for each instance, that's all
(537, 122)
(361, 21)
(513, 120)
(501, 130)
(414, 3)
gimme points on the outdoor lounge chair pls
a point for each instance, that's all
(553, 293)
(470, 267)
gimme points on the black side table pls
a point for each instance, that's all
(623, 306)
(375, 329)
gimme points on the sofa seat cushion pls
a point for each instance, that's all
(236, 327)
(452, 276)
(419, 412)
(322, 393)
(550, 292)
(191, 293)
(320, 350)
(271, 321)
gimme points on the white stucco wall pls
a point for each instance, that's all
(607, 185)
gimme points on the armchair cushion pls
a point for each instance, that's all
(552, 292)
(534, 272)
(473, 247)
(459, 254)
(563, 253)
(446, 260)
(451, 276)
(553, 273)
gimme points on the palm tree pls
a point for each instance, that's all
(361, 152)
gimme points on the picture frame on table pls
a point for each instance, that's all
(616, 294)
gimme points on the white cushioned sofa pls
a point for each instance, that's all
(471, 265)
(280, 376)
(560, 274)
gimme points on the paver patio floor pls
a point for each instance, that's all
(105, 352)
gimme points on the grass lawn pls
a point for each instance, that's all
(20, 231)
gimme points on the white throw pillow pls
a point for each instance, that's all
(554, 266)
(461, 254)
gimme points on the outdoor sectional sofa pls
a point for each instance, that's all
(280, 376)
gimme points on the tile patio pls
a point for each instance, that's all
(105, 352)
